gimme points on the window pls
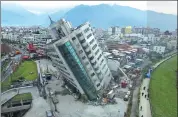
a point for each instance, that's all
(85, 47)
(106, 70)
(83, 41)
(61, 62)
(67, 77)
(88, 52)
(91, 58)
(94, 46)
(94, 63)
(98, 85)
(81, 51)
(92, 74)
(63, 67)
(99, 57)
(104, 66)
(92, 41)
(102, 61)
(83, 57)
(55, 56)
(86, 30)
(89, 36)
(63, 71)
(58, 61)
(79, 35)
(97, 52)
(73, 38)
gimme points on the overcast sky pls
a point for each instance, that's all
(169, 7)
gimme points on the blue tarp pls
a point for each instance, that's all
(148, 75)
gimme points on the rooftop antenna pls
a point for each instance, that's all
(51, 21)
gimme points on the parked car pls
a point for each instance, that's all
(49, 113)
(126, 98)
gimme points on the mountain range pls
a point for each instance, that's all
(100, 16)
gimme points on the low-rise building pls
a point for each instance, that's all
(27, 39)
(116, 30)
(172, 44)
(159, 49)
(128, 30)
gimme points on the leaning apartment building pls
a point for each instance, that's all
(79, 59)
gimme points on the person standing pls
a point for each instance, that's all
(141, 108)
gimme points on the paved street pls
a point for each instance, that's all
(16, 58)
(136, 91)
(39, 105)
(6, 96)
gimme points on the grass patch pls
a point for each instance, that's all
(163, 90)
(24, 96)
(23, 71)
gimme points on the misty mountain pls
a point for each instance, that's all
(104, 16)
(101, 16)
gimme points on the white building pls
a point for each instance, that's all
(79, 58)
(110, 31)
(172, 44)
(26, 39)
(134, 35)
(10, 36)
(114, 30)
(159, 49)
(152, 38)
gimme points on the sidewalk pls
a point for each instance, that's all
(144, 106)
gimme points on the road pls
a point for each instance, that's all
(39, 105)
(9, 70)
(136, 91)
(4, 58)
(15, 59)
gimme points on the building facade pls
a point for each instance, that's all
(114, 30)
(159, 49)
(146, 30)
(78, 57)
(128, 30)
